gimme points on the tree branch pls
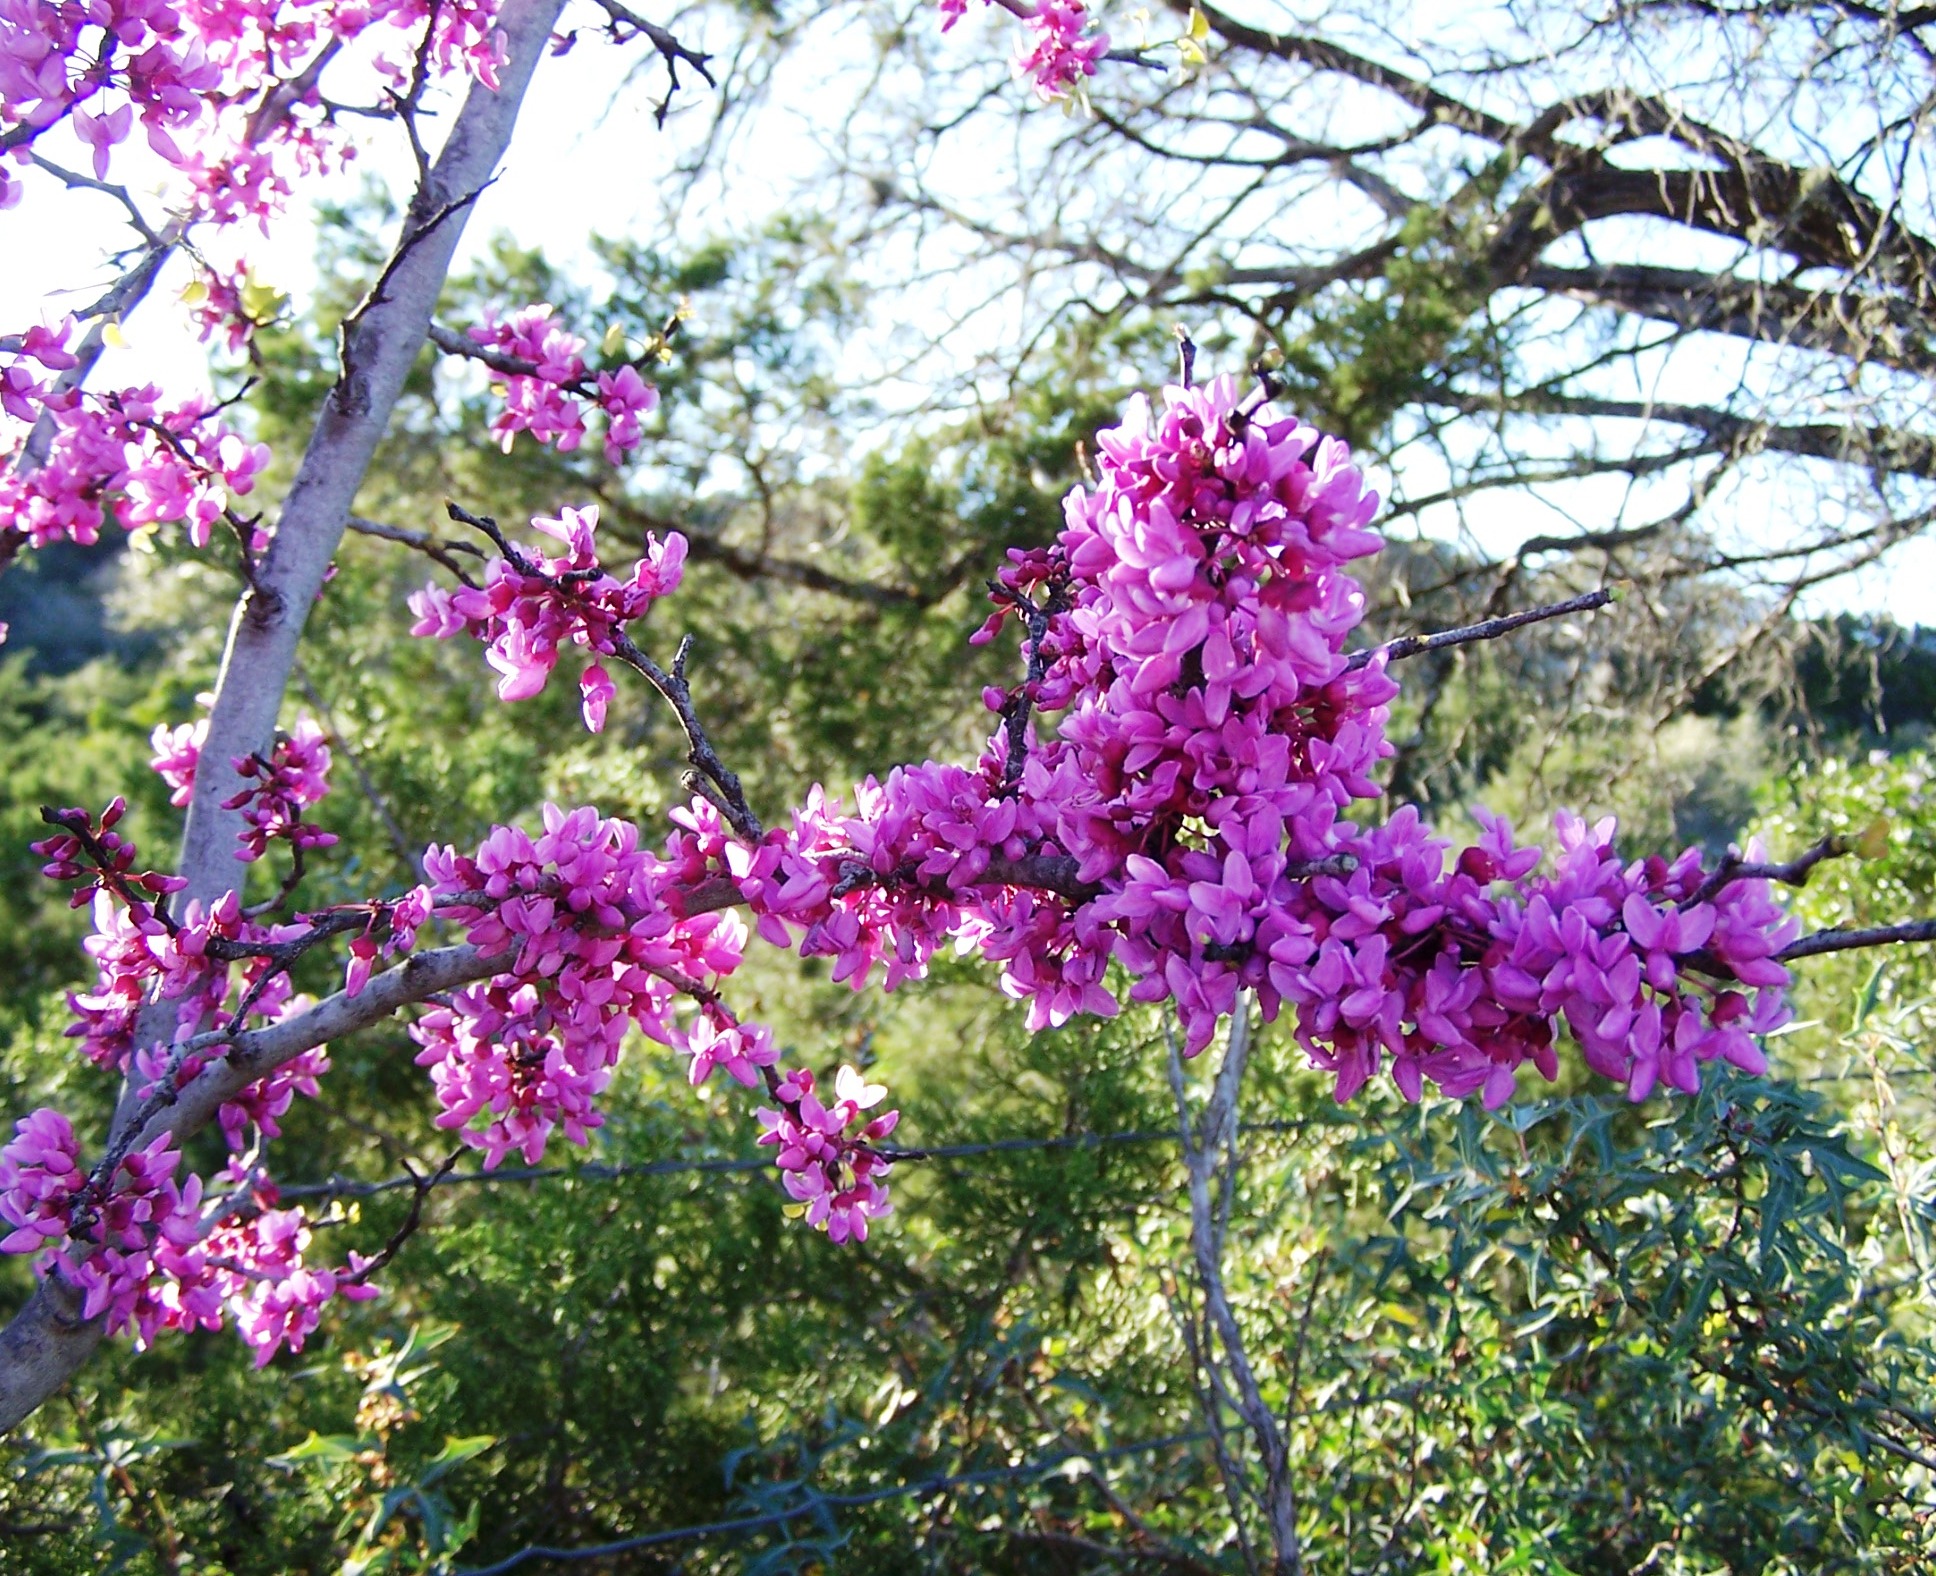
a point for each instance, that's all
(710, 776)
(1853, 940)
(704, 547)
(1323, 55)
(380, 347)
(671, 51)
(1893, 449)
(1795, 872)
(438, 549)
(1858, 325)
(1203, 1146)
(1490, 629)
(46, 1342)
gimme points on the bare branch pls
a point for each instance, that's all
(1893, 449)
(710, 775)
(1323, 55)
(75, 181)
(1490, 629)
(436, 548)
(1795, 872)
(1858, 325)
(1852, 940)
(422, 1183)
(671, 51)
(1202, 1153)
(704, 547)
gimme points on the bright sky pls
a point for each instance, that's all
(588, 155)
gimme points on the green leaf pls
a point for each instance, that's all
(261, 303)
(331, 1448)
(1866, 1003)
(454, 1452)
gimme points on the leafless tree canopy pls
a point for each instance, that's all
(1640, 293)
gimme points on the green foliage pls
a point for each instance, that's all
(1866, 680)
(1418, 324)
(1884, 807)
(396, 1515)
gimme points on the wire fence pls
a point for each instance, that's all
(597, 1171)
(819, 1504)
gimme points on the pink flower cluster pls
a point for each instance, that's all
(142, 955)
(255, 1264)
(220, 312)
(266, 1101)
(178, 751)
(589, 923)
(1190, 624)
(154, 465)
(148, 1252)
(529, 607)
(146, 956)
(548, 401)
(105, 1247)
(827, 1155)
(145, 1253)
(278, 788)
(109, 864)
(1189, 820)
(40, 1172)
(26, 360)
(228, 93)
(596, 938)
(464, 37)
(194, 78)
(141, 951)
(1461, 974)
(1062, 52)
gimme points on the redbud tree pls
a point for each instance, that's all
(1178, 801)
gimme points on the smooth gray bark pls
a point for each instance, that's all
(379, 344)
(47, 1342)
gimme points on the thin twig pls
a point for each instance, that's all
(424, 1183)
(1201, 1155)
(1794, 873)
(1853, 939)
(1490, 629)
(670, 50)
(710, 775)
(75, 181)
(816, 1502)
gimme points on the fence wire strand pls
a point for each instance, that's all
(599, 1171)
(824, 1502)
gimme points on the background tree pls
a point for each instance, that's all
(1630, 292)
